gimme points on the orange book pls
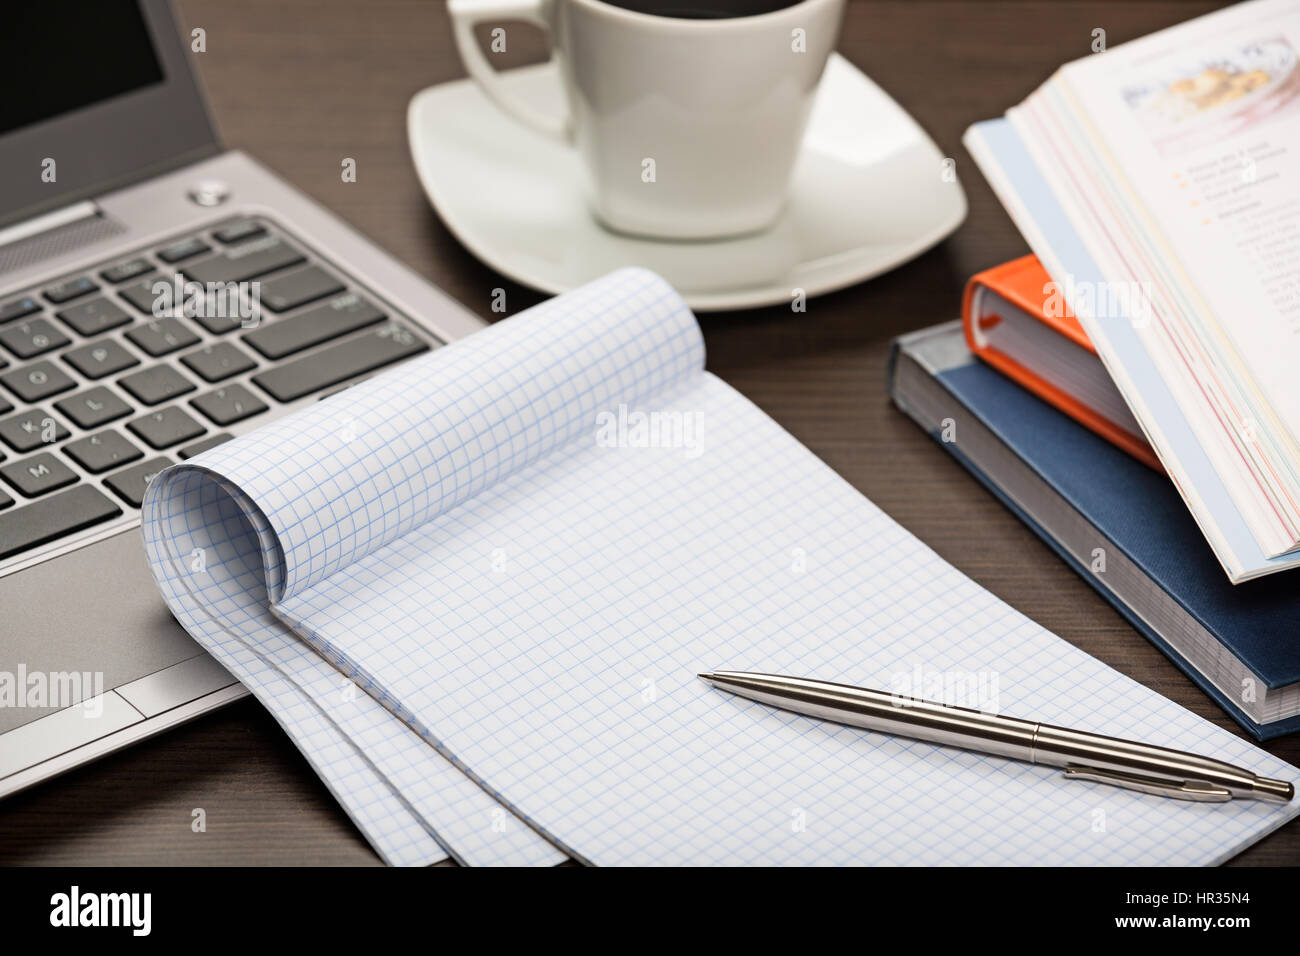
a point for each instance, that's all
(1017, 321)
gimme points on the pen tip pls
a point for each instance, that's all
(707, 677)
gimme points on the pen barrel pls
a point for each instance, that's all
(893, 714)
(955, 727)
(1061, 747)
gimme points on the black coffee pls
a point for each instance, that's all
(702, 9)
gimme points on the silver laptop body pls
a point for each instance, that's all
(112, 179)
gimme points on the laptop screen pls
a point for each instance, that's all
(90, 52)
(94, 95)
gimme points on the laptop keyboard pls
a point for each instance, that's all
(100, 390)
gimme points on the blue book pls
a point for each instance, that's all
(1120, 525)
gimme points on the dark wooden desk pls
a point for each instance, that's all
(300, 85)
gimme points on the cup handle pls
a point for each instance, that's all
(465, 15)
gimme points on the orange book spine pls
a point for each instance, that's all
(1024, 282)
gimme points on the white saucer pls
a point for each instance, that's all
(867, 195)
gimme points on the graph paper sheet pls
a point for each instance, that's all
(395, 787)
(493, 544)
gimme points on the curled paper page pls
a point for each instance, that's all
(235, 531)
(346, 477)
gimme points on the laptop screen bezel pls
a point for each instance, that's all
(114, 142)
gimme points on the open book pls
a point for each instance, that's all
(477, 590)
(1159, 183)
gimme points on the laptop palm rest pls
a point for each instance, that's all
(91, 620)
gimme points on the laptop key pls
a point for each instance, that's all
(334, 364)
(246, 261)
(292, 289)
(39, 380)
(129, 483)
(100, 358)
(32, 338)
(93, 407)
(51, 518)
(141, 294)
(225, 406)
(162, 336)
(126, 270)
(217, 362)
(185, 249)
(72, 289)
(38, 474)
(239, 231)
(18, 308)
(93, 317)
(157, 384)
(199, 447)
(165, 427)
(102, 451)
(329, 320)
(31, 429)
(219, 324)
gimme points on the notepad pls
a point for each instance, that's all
(524, 546)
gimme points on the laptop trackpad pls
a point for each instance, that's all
(95, 613)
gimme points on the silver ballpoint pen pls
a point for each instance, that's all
(1084, 756)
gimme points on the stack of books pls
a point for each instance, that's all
(1132, 390)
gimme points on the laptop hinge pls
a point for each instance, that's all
(58, 219)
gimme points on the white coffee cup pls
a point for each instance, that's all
(689, 128)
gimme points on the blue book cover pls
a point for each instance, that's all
(1141, 514)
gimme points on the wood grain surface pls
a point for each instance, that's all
(300, 85)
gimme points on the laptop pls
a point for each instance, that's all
(158, 295)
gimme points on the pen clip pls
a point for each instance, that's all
(1197, 790)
